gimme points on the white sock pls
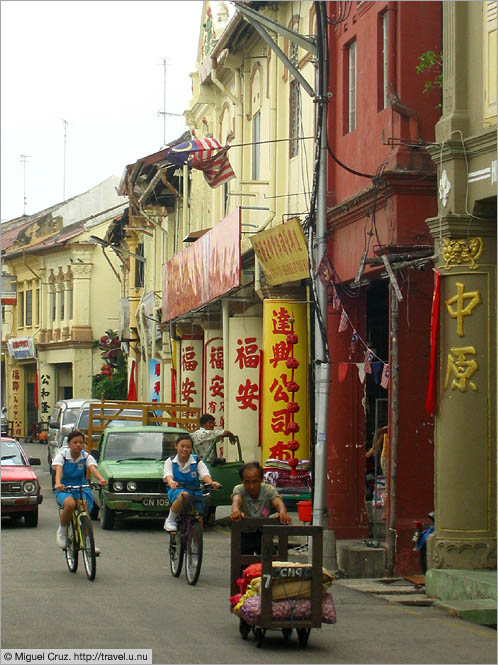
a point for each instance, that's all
(172, 515)
(62, 529)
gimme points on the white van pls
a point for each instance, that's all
(62, 421)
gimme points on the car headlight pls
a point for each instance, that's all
(29, 487)
(131, 486)
(117, 485)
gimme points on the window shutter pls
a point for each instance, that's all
(489, 60)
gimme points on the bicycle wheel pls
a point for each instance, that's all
(193, 553)
(71, 551)
(176, 551)
(88, 547)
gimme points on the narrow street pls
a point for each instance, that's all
(136, 603)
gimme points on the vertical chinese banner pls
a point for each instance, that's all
(17, 402)
(284, 390)
(244, 373)
(190, 385)
(213, 401)
(155, 380)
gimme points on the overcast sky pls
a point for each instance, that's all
(98, 65)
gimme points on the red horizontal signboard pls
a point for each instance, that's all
(207, 269)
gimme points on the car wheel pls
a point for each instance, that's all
(31, 519)
(106, 518)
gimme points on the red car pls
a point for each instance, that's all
(21, 494)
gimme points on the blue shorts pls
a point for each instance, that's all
(198, 501)
(87, 495)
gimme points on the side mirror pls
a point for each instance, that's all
(95, 453)
(34, 461)
(54, 425)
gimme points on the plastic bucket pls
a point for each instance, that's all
(305, 511)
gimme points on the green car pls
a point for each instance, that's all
(132, 459)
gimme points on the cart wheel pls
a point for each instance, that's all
(286, 632)
(302, 636)
(260, 636)
(244, 629)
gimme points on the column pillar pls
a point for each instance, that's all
(465, 417)
(81, 328)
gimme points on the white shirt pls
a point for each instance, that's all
(65, 454)
(202, 469)
(202, 438)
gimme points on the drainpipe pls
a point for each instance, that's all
(185, 200)
(273, 173)
(225, 317)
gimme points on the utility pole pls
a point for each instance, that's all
(163, 112)
(65, 122)
(24, 159)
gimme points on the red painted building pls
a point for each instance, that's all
(378, 122)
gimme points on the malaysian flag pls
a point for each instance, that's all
(206, 155)
(343, 323)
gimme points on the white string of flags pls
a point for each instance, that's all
(371, 364)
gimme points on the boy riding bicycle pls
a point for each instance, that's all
(70, 466)
(184, 468)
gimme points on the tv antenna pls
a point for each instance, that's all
(24, 159)
(66, 123)
(164, 113)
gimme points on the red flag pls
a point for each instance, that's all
(36, 403)
(429, 400)
(132, 389)
(384, 382)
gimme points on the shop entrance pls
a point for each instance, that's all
(377, 406)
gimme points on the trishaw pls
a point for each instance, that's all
(269, 554)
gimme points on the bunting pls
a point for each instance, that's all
(384, 382)
(343, 323)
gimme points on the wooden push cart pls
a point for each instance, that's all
(270, 529)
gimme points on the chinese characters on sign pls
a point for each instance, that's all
(282, 252)
(285, 422)
(155, 380)
(461, 364)
(214, 389)
(191, 372)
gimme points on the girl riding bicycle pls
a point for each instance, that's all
(184, 468)
(70, 466)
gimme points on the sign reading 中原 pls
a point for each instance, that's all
(284, 390)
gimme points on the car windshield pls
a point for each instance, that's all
(70, 416)
(140, 445)
(11, 455)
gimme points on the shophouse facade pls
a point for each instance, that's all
(211, 347)
(464, 233)
(381, 188)
(62, 282)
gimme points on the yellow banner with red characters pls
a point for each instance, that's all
(284, 389)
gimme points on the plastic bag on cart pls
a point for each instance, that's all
(286, 610)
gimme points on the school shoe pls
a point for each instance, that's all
(97, 551)
(170, 523)
(61, 537)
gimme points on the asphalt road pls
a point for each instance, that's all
(136, 603)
